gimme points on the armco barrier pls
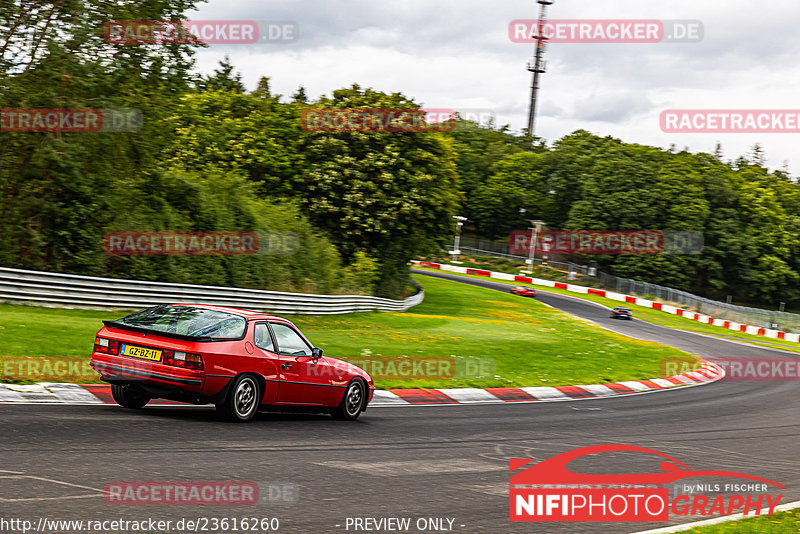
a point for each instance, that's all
(730, 325)
(53, 289)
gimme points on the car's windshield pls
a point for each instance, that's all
(188, 321)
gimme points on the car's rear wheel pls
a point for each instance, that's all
(352, 402)
(241, 402)
(130, 396)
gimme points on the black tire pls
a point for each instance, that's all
(130, 396)
(242, 400)
(352, 402)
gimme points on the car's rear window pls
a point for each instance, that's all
(188, 321)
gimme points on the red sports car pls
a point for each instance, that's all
(238, 360)
(524, 291)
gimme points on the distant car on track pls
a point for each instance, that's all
(236, 359)
(621, 312)
(524, 291)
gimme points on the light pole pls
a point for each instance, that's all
(457, 240)
(536, 227)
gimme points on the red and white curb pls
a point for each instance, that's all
(628, 299)
(62, 393)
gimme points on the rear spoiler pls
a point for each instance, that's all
(123, 326)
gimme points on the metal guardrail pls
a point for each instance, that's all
(70, 290)
(784, 321)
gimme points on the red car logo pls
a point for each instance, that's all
(554, 470)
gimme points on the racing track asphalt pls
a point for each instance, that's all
(424, 461)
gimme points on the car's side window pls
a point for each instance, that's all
(289, 341)
(262, 337)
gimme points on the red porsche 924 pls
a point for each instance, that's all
(238, 360)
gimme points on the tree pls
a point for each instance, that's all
(300, 95)
(263, 89)
(515, 185)
(390, 195)
(478, 148)
(253, 134)
(757, 155)
(718, 151)
(223, 79)
(55, 188)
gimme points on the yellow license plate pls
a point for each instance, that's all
(141, 352)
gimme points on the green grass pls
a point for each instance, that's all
(780, 522)
(528, 344)
(656, 317)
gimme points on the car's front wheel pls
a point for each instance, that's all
(352, 402)
(241, 402)
(129, 396)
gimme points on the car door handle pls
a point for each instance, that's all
(286, 366)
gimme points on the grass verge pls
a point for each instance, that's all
(778, 523)
(655, 316)
(515, 341)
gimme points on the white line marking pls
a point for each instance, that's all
(66, 497)
(416, 467)
(54, 481)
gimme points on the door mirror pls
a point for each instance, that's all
(316, 353)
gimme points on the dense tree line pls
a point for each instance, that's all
(749, 216)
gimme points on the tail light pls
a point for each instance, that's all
(106, 346)
(186, 360)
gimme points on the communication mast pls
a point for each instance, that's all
(537, 65)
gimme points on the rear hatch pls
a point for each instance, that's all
(146, 356)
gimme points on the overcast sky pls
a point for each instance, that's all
(457, 54)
